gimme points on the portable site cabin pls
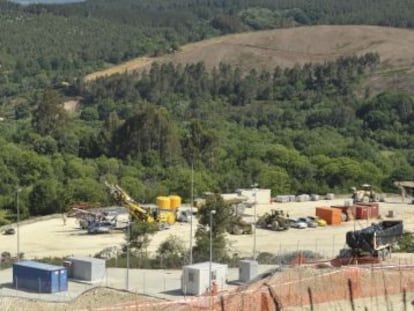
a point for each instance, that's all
(195, 278)
(248, 270)
(86, 268)
(39, 277)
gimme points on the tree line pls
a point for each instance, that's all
(49, 44)
(298, 130)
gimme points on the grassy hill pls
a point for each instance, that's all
(300, 45)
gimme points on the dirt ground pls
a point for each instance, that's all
(271, 48)
(50, 237)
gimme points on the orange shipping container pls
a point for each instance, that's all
(332, 216)
(367, 211)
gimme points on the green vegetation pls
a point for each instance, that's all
(43, 45)
(406, 244)
(294, 130)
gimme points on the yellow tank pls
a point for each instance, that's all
(163, 202)
(167, 216)
(171, 218)
(175, 201)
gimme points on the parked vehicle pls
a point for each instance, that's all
(296, 223)
(319, 221)
(376, 240)
(9, 231)
(100, 227)
(310, 222)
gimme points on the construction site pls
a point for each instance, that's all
(325, 252)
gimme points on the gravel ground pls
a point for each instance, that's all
(50, 237)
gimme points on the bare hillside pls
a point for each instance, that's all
(287, 47)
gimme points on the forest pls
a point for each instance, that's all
(295, 130)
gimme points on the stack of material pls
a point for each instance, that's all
(315, 197)
(282, 198)
(303, 198)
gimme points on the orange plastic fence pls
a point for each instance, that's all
(296, 287)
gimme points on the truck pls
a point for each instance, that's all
(376, 240)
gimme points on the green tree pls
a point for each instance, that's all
(49, 115)
(46, 198)
(87, 189)
(220, 222)
(171, 253)
(406, 244)
(150, 130)
(139, 234)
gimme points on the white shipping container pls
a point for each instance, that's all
(195, 279)
(87, 268)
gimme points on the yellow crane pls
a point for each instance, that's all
(135, 210)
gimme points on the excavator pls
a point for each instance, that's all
(135, 210)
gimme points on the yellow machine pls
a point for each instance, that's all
(136, 211)
(364, 194)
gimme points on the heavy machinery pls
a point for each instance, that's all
(376, 240)
(404, 186)
(364, 193)
(239, 226)
(276, 220)
(136, 211)
(94, 221)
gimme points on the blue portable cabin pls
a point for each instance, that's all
(39, 277)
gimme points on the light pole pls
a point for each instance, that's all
(127, 254)
(18, 223)
(212, 212)
(191, 216)
(254, 186)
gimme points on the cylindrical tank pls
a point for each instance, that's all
(171, 218)
(163, 202)
(175, 201)
(168, 216)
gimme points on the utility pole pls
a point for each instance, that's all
(191, 213)
(127, 254)
(255, 185)
(18, 223)
(212, 212)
